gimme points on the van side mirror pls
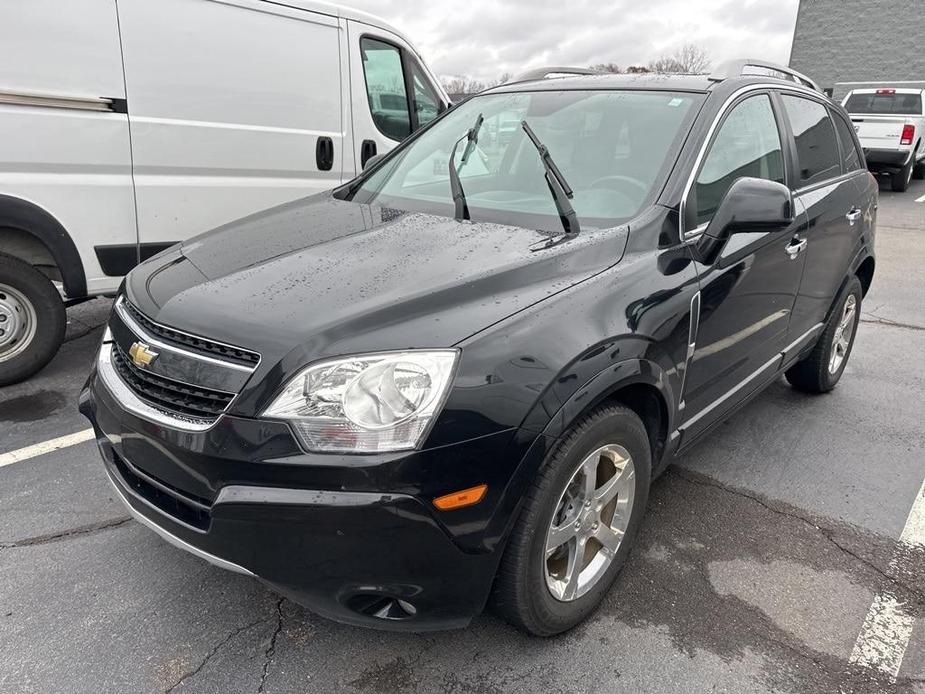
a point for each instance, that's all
(750, 204)
(372, 161)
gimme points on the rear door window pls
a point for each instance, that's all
(817, 149)
(385, 88)
(885, 102)
(747, 144)
(851, 158)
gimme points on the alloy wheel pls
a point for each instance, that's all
(589, 523)
(843, 333)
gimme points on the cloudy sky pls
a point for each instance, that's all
(485, 38)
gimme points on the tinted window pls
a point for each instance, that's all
(902, 104)
(747, 144)
(425, 101)
(851, 160)
(385, 88)
(817, 150)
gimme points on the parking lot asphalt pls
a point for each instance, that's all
(756, 569)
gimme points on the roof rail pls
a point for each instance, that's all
(542, 73)
(740, 66)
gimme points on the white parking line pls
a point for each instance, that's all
(920, 199)
(887, 629)
(45, 447)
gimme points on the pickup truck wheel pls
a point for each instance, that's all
(823, 367)
(577, 524)
(32, 320)
(900, 181)
(918, 172)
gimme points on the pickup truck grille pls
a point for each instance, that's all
(169, 395)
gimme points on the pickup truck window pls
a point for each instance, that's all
(817, 150)
(747, 144)
(885, 104)
(851, 160)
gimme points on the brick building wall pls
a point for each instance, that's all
(860, 40)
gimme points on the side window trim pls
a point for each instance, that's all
(717, 127)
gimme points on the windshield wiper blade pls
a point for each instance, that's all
(461, 209)
(558, 186)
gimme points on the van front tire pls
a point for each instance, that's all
(32, 320)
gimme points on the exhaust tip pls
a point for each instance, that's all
(382, 606)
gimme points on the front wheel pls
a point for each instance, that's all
(823, 367)
(577, 525)
(32, 320)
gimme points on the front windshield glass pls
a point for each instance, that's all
(612, 147)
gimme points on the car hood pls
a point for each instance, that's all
(321, 276)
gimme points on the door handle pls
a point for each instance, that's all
(324, 153)
(795, 247)
(367, 150)
(853, 216)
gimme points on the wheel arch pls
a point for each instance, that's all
(865, 273)
(33, 233)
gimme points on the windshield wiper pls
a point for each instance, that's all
(558, 186)
(461, 209)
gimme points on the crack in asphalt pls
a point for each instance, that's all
(694, 478)
(211, 654)
(877, 320)
(89, 329)
(271, 647)
(66, 534)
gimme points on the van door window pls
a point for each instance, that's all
(817, 150)
(747, 144)
(425, 103)
(385, 88)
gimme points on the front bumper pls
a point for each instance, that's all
(353, 538)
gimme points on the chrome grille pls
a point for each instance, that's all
(185, 384)
(169, 395)
(198, 344)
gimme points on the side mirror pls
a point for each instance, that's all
(372, 161)
(750, 204)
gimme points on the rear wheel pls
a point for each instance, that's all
(900, 181)
(823, 367)
(577, 525)
(918, 172)
(32, 320)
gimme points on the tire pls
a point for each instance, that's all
(521, 593)
(918, 172)
(815, 372)
(900, 181)
(31, 304)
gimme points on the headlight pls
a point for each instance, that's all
(366, 404)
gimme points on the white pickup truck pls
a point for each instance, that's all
(890, 123)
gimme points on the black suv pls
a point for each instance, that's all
(452, 380)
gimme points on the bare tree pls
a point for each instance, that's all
(637, 69)
(605, 67)
(460, 84)
(689, 59)
(506, 77)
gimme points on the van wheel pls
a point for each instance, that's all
(900, 181)
(821, 370)
(32, 320)
(577, 525)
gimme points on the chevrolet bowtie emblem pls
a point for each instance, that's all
(141, 354)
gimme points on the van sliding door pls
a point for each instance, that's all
(227, 104)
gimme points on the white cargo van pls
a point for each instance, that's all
(129, 125)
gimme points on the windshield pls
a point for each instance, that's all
(900, 104)
(613, 148)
